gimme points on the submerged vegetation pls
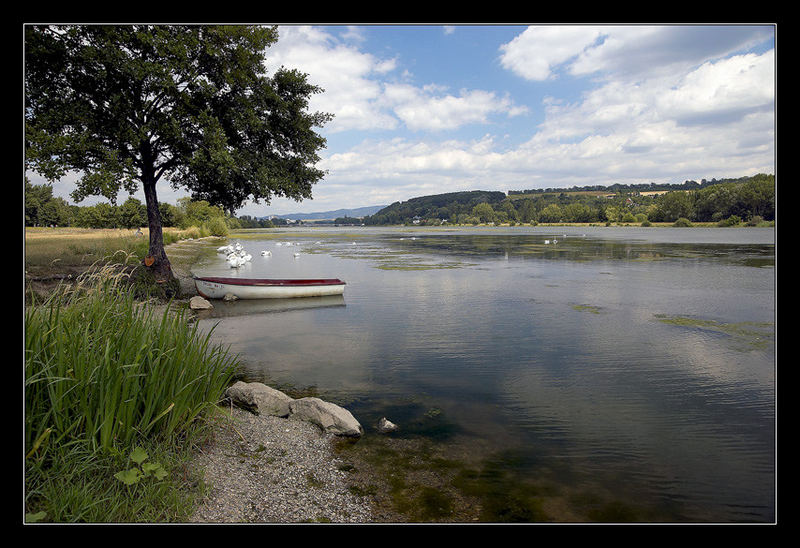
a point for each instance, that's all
(105, 374)
(745, 335)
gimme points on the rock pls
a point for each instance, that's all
(328, 416)
(259, 398)
(230, 297)
(385, 426)
(199, 303)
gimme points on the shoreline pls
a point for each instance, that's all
(266, 469)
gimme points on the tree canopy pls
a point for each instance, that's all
(192, 104)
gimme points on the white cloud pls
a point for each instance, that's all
(534, 53)
(723, 89)
(421, 109)
(346, 74)
(360, 97)
(633, 51)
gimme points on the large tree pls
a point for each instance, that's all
(130, 105)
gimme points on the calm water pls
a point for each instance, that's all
(626, 364)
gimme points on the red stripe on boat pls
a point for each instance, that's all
(267, 281)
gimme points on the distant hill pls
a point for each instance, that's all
(442, 206)
(320, 215)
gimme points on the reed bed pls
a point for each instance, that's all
(105, 373)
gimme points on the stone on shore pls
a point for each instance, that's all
(328, 416)
(199, 303)
(263, 400)
(259, 398)
(385, 426)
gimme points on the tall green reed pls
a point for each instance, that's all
(105, 369)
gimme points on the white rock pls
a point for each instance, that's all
(259, 398)
(385, 426)
(328, 416)
(199, 303)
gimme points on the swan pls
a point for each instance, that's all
(547, 241)
(296, 255)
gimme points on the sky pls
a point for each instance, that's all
(428, 109)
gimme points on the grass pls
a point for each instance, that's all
(104, 374)
(53, 250)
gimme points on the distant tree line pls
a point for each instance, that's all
(637, 187)
(44, 209)
(436, 207)
(748, 199)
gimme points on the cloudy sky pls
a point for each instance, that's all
(429, 109)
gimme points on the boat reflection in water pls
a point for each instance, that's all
(225, 309)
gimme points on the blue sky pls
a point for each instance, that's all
(428, 109)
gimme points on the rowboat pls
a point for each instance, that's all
(262, 288)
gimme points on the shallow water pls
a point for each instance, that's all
(623, 364)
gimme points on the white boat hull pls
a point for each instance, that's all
(217, 288)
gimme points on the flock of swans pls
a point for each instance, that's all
(237, 256)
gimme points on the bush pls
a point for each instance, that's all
(217, 226)
(755, 220)
(682, 222)
(733, 220)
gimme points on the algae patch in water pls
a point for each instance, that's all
(587, 308)
(748, 335)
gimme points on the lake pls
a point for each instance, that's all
(624, 368)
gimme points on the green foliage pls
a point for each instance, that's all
(484, 212)
(124, 105)
(551, 213)
(134, 475)
(733, 220)
(702, 202)
(217, 227)
(451, 205)
(682, 222)
(100, 368)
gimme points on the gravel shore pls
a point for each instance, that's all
(264, 469)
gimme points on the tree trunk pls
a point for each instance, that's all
(160, 266)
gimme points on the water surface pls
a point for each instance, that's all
(630, 365)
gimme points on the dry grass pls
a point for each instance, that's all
(50, 250)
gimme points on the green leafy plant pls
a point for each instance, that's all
(141, 469)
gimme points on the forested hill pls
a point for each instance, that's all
(441, 206)
(728, 201)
